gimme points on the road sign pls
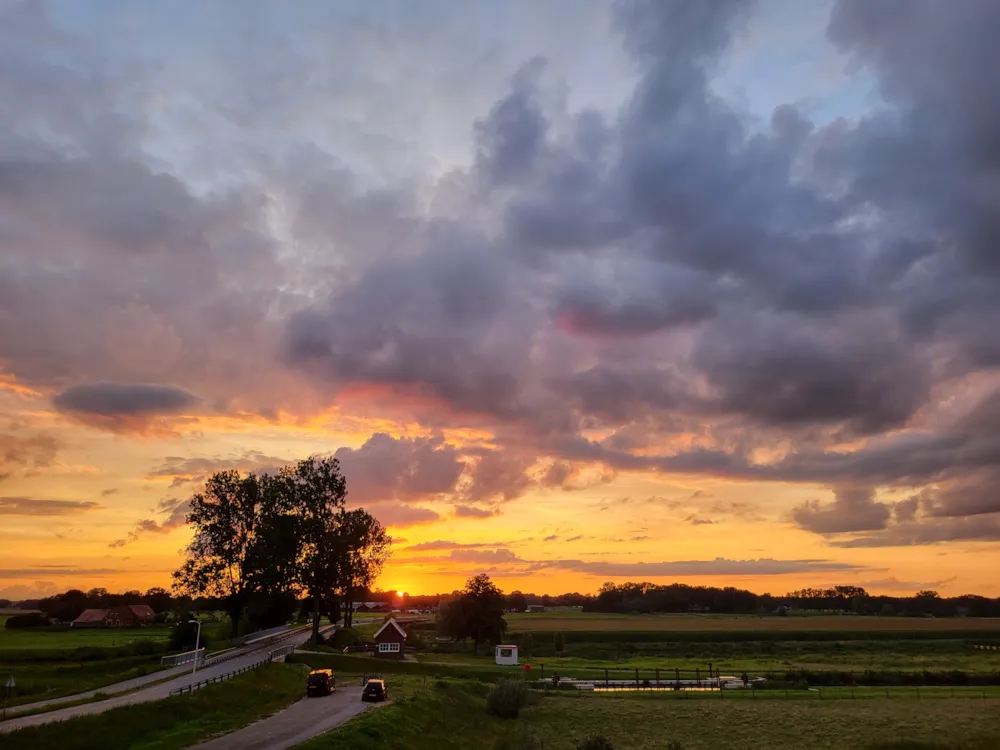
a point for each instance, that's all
(10, 683)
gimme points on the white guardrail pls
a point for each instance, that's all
(188, 657)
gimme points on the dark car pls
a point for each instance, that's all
(320, 682)
(375, 690)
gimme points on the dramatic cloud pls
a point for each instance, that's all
(484, 556)
(182, 471)
(402, 469)
(853, 509)
(26, 452)
(27, 506)
(467, 511)
(572, 267)
(122, 407)
(176, 517)
(402, 516)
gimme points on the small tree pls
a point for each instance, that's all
(527, 644)
(559, 641)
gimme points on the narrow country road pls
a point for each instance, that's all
(151, 693)
(294, 725)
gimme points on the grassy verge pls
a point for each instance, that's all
(176, 722)
(428, 713)
(44, 680)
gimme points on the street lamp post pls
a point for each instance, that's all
(197, 643)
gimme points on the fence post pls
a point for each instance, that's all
(697, 675)
(657, 677)
(637, 678)
(606, 683)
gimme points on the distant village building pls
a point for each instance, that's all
(389, 640)
(126, 616)
(506, 656)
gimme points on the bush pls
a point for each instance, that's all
(596, 742)
(507, 698)
(30, 620)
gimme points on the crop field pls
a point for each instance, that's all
(450, 714)
(570, 620)
(44, 639)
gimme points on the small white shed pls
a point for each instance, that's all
(507, 656)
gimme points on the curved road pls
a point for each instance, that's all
(294, 725)
(152, 693)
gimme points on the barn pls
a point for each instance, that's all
(128, 616)
(390, 640)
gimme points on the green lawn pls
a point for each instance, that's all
(173, 723)
(49, 639)
(429, 714)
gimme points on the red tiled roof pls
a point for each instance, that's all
(142, 611)
(92, 615)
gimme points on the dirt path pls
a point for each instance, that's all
(294, 725)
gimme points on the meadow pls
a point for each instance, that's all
(435, 713)
(569, 620)
(60, 639)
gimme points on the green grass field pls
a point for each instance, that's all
(570, 620)
(450, 714)
(37, 681)
(44, 639)
(173, 723)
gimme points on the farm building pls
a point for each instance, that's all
(506, 656)
(127, 616)
(390, 639)
(535, 608)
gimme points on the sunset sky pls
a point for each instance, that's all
(576, 291)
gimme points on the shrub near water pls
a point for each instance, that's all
(596, 742)
(507, 698)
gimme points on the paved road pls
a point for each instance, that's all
(294, 725)
(152, 693)
(118, 687)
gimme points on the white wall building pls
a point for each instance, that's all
(507, 656)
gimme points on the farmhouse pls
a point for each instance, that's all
(506, 656)
(127, 616)
(390, 639)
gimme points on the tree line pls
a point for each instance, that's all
(263, 540)
(678, 597)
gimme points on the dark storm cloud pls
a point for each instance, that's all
(853, 509)
(118, 400)
(929, 531)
